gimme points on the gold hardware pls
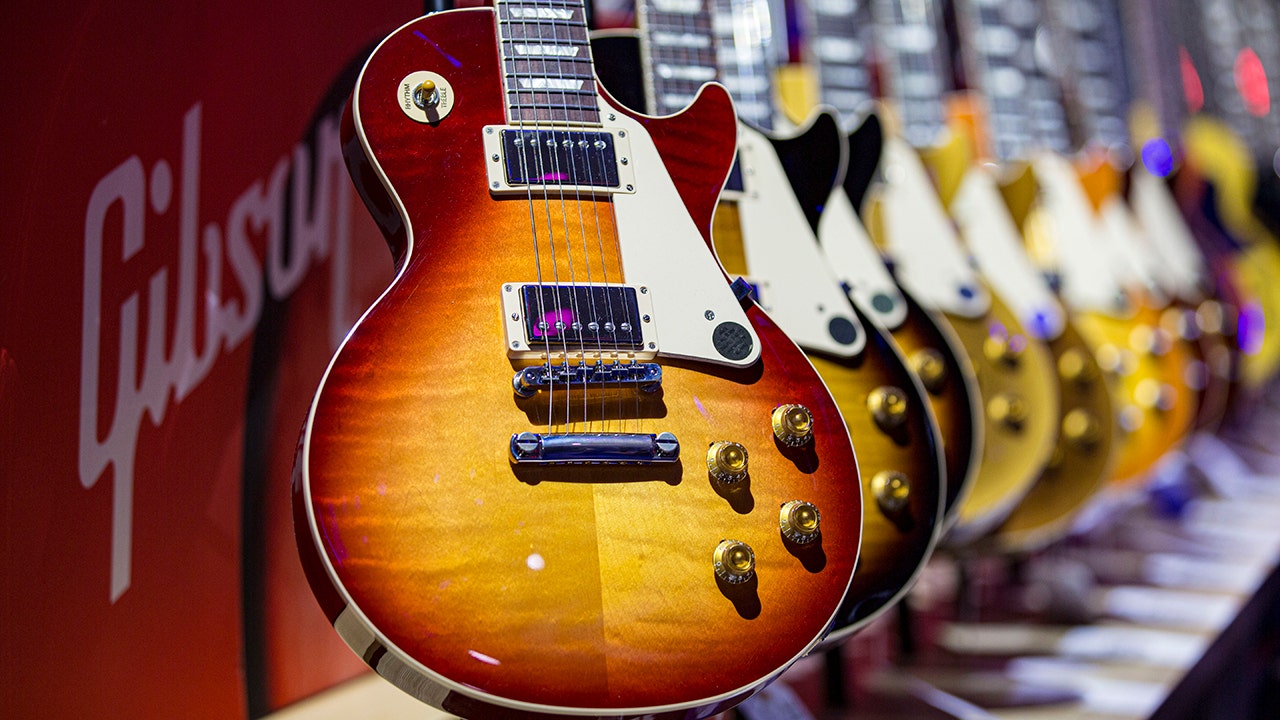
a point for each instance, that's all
(892, 490)
(1007, 350)
(799, 521)
(425, 95)
(888, 405)
(1080, 428)
(734, 561)
(727, 461)
(1008, 410)
(792, 424)
(1074, 367)
(932, 369)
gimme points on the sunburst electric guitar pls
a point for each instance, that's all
(835, 38)
(562, 468)
(1015, 372)
(764, 231)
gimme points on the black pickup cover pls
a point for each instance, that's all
(582, 316)
(560, 157)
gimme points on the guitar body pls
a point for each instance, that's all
(1082, 456)
(1017, 445)
(931, 348)
(489, 587)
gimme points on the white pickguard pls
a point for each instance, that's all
(996, 245)
(663, 251)
(931, 263)
(1157, 212)
(1091, 280)
(857, 262)
(1135, 258)
(798, 288)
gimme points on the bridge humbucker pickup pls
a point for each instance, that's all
(645, 376)
(594, 448)
(604, 316)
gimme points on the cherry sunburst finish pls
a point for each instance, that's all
(457, 545)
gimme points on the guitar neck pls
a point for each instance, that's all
(678, 52)
(546, 62)
(1150, 31)
(743, 34)
(915, 74)
(1086, 39)
(839, 50)
(1022, 102)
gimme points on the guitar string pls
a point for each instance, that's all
(558, 314)
(507, 44)
(620, 383)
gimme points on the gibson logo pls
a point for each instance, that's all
(315, 230)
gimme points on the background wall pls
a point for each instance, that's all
(181, 252)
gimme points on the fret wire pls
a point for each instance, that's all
(524, 26)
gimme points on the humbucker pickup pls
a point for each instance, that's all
(586, 322)
(520, 160)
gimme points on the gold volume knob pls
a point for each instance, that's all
(792, 424)
(727, 461)
(888, 405)
(892, 490)
(932, 369)
(1008, 410)
(735, 562)
(1007, 350)
(1080, 428)
(1074, 367)
(799, 521)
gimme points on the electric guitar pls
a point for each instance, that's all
(764, 231)
(562, 467)
(837, 75)
(1016, 376)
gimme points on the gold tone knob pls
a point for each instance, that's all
(1007, 350)
(888, 405)
(734, 561)
(892, 489)
(1074, 367)
(1080, 428)
(792, 425)
(1008, 410)
(426, 95)
(727, 461)
(799, 521)
(931, 367)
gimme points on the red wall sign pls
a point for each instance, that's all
(182, 250)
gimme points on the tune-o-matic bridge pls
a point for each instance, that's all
(520, 160)
(584, 322)
(595, 448)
